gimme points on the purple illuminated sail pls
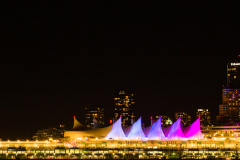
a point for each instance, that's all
(156, 131)
(193, 131)
(127, 130)
(116, 132)
(174, 131)
(136, 131)
(147, 130)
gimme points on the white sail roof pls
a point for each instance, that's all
(174, 131)
(156, 131)
(136, 131)
(117, 131)
(92, 133)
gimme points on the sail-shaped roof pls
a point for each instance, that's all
(156, 131)
(77, 125)
(117, 131)
(127, 130)
(193, 131)
(136, 131)
(147, 130)
(96, 124)
(174, 131)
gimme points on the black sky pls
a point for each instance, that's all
(56, 57)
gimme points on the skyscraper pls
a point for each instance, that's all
(229, 109)
(186, 119)
(233, 74)
(165, 120)
(124, 104)
(205, 118)
(93, 113)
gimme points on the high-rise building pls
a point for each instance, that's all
(186, 119)
(229, 110)
(233, 74)
(124, 104)
(205, 118)
(165, 120)
(93, 113)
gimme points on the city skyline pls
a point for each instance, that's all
(57, 58)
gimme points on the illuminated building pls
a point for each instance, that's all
(186, 119)
(124, 104)
(165, 120)
(205, 116)
(229, 109)
(93, 113)
(51, 133)
(136, 132)
(233, 74)
(176, 142)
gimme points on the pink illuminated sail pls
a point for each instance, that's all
(156, 131)
(193, 131)
(174, 131)
(116, 132)
(136, 131)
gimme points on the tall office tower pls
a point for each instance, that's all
(165, 120)
(233, 74)
(229, 110)
(205, 118)
(186, 119)
(124, 104)
(93, 113)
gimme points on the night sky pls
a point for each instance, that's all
(57, 57)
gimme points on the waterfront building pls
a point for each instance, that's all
(124, 104)
(186, 119)
(205, 116)
(179, 143)
(136, 131)
(50, 133)
(229, 109)
(94, 114)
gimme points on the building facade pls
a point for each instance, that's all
(186, 119)
(205, 117)
(229, 109)
(124, 104)
(233, 74)
(165, 120)
(52, 133)
(93, 114)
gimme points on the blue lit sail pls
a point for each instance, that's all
(136, 131)
(156, 131)
(117, 131)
